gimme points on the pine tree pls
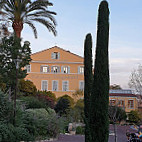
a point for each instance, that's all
(100, 91)
(88, 83)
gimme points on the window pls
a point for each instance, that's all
(112, 102)
(65, 69)
(65, 85)
(130, 103)
(55, 55)
(28, 68)
(44, 85)
(80, 69)
(81, 85)
(44, 69)
(55, 69)
(54, 85)
(121, 103)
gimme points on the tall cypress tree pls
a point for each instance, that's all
(88, 83)
(100, 91)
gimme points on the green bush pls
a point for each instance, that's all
(80, 130)
(9, 133)
(32, 102)
(64, 104)
(27, 88)
(134, 116)
(6, 108)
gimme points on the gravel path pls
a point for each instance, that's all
(121, 132)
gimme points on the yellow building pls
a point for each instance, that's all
(123, 98)
(56, 70)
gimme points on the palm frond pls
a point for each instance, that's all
(47, 24)
(44, 14)
(33, 28)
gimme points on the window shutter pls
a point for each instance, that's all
(78, 69)
(68, 69)
(58, 68)
(41, 68)
(53, 56)
(58, 55)
(52, 69)
(62, 69)
(48, 69)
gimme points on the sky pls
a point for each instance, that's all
(77, 18)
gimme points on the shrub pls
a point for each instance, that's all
(77, 113)
(80, 130)
(27, 88)
(6, 108)
(64, 104)
(134, 116)
(32, 102)
(47, 97)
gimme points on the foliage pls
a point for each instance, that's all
(22, 12)
(99, 121)
(115, 87)
(80, 130)
(48, 98)
(88, 77)
(42, 123)
(134, 116)
(6, 109)
(2, 84)
(27, 87)
(32, 102)
(76, 114)
(9, 133)
(136, 80)
(78, 94)
(64, 104)
(116, 114)
(47, 93)
(11, 49)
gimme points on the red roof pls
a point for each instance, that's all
(122, 95)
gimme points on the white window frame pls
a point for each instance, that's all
(65, 69)
(81, 81)
(80, 69)
(63, 85)
(42, 88)
(28, 68)
(48, 69)
(53, 85)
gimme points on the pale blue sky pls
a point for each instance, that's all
(76, 18)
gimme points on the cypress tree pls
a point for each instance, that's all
(100, 91)
(88, 83)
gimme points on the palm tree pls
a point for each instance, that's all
(19, 12)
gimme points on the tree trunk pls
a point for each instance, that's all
(17, 26)
(100, 92)
(88, 77)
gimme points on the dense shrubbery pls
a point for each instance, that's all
(134, 117)
(27, 88)
(80, 130)
(76, 114)
(64, 105)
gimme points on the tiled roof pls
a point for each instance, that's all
(122, 95)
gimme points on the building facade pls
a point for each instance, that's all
(123, 98)
(56, 70)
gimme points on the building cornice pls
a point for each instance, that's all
(56, 62)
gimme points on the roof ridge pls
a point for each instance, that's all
(59, 48)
